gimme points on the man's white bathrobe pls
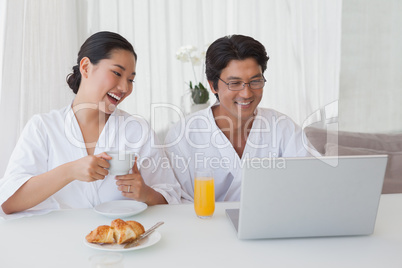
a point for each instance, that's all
(197, 143)
(52, 139)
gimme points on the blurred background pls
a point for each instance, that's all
(331, 62)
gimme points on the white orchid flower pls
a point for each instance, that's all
(195, 60)
(190, 53)
(183, 57)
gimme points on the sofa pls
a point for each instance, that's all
(340, 143)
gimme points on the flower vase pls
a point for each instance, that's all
(188, 106)
(197, 107)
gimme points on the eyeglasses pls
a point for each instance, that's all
(239, 85)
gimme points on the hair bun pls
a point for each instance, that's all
(74, 79)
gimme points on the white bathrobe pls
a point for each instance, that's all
(52, 139)
(198, 143)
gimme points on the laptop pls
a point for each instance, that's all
(309, 197)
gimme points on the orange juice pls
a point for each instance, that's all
(204, 196)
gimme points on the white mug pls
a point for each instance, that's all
(121, 162)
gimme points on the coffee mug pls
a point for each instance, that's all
(121, 163)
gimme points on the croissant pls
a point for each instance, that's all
(119, 232)
(137, 227)
(123, 232)
(102, 234)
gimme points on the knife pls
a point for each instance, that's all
(136, 241)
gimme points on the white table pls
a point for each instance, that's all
(56, 240)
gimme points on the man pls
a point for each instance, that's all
(234, 129)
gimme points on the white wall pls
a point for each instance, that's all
(370, 97)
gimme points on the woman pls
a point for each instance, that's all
(60, 160)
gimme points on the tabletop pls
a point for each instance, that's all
(57, 240)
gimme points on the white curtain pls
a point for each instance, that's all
(3, 7)
(371, 78)
(43, 37)
(302, 38)
(40, 44)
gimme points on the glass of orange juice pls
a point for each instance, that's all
(204, 194)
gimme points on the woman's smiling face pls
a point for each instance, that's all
(108, 82)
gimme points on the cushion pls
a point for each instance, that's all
(393, 174)
(317, 138)
(375, 141)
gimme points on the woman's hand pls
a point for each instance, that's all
(40, 187)
(90, 168)
(134, 187)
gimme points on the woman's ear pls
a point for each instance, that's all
(84, 66)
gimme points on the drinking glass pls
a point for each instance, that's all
(107, 260)
(204, 194)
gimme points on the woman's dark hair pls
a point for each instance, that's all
(232, 47)
(97, 47)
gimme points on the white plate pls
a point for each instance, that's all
(147, 242)
(120, 208)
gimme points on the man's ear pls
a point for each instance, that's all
(215, 91)
(211, 86)
(84, 66)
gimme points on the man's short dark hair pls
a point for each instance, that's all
(232, 47)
